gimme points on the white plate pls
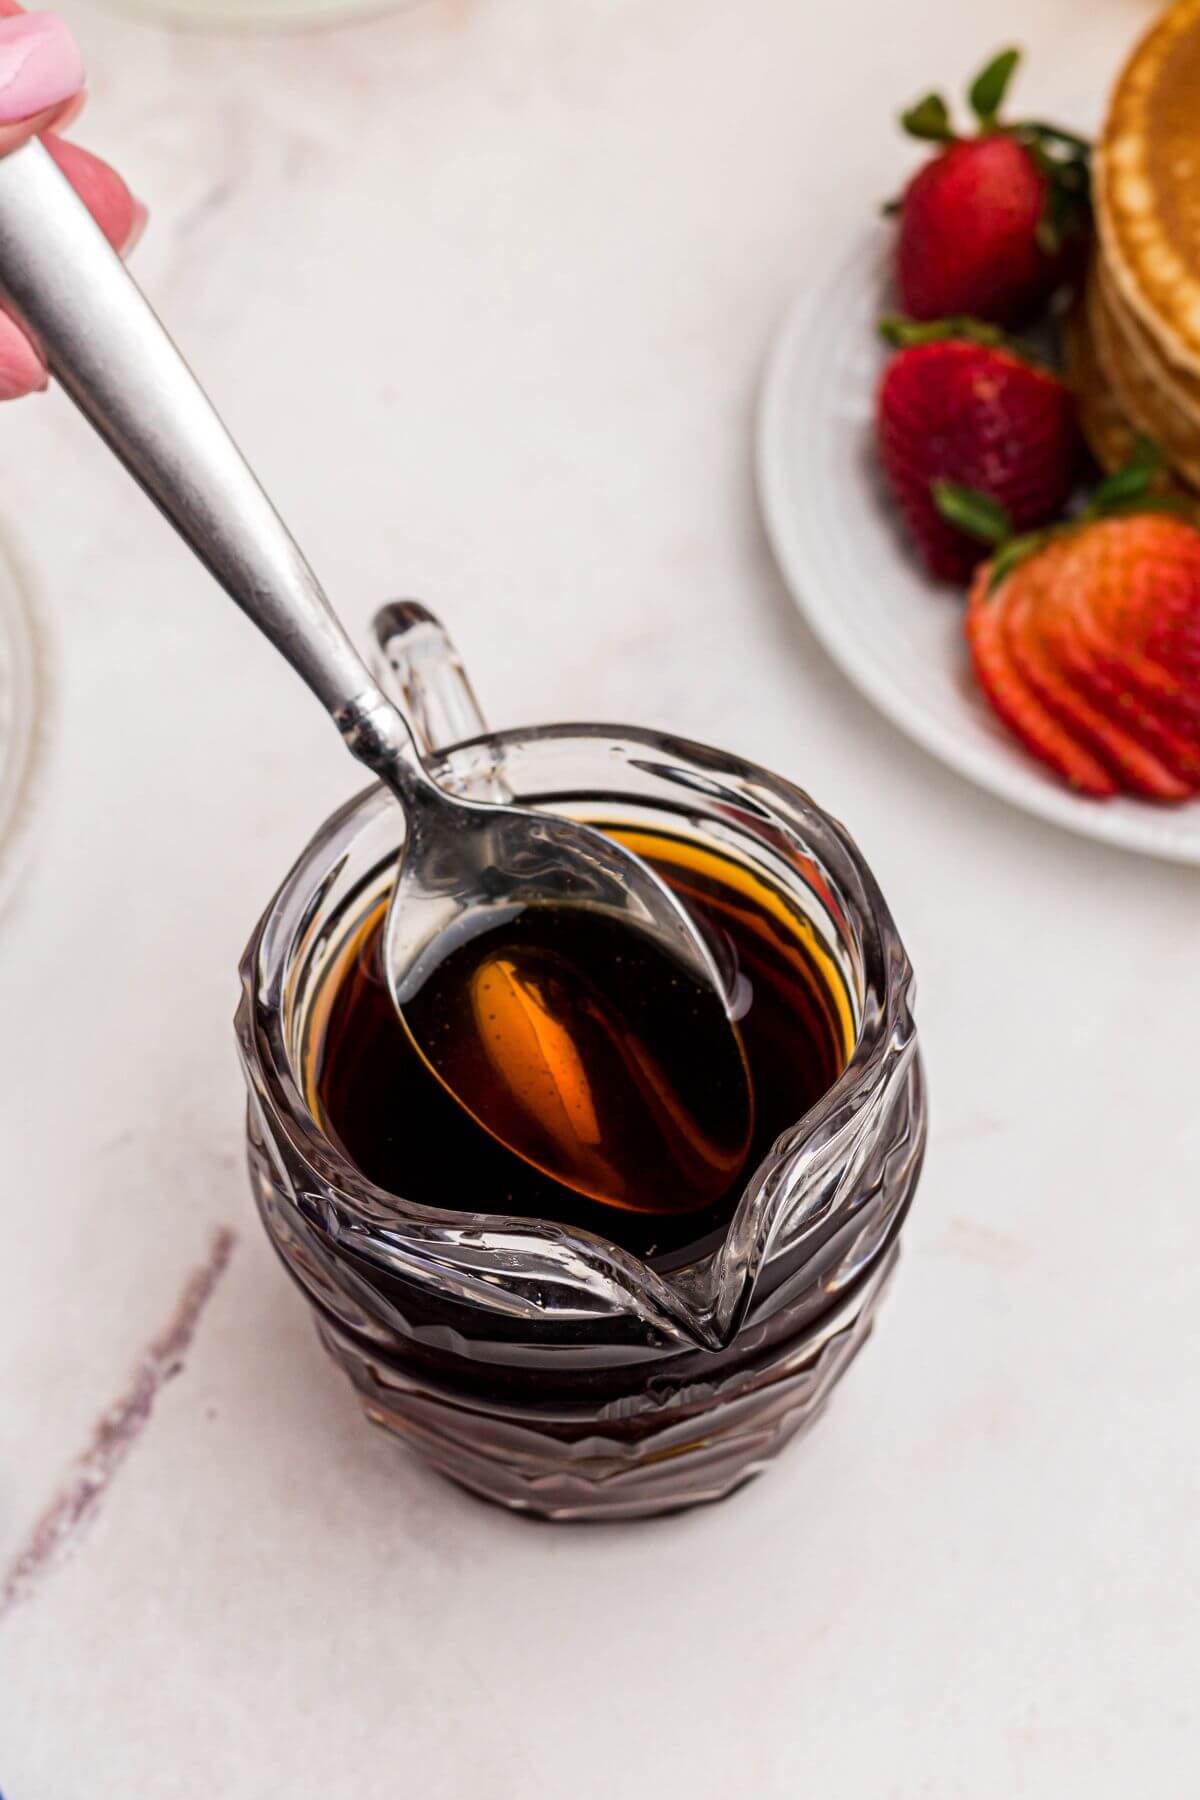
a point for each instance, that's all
(22, 696)
(897, 635)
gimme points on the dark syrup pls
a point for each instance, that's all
(674, 1114)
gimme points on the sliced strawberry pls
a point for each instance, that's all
(1135, 767)
(1093, 667)
(1133, 587)
(1150, 681)
(1173, 640)
(1099, 621)
(1010, 697)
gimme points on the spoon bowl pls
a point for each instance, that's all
(559, 1035)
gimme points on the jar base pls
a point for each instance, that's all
(690, 1451)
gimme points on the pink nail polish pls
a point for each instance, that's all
(40, 65)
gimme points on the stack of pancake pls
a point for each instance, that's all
(1134, 339)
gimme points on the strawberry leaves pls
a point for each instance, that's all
(1065, 163)
(977, 514)
(1019, 550)
(903, 334)
(1130, 483)
(985, 96)
(929, 120)
(985, 520)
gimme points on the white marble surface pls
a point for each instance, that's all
(485, 289)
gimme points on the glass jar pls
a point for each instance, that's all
(536, 1364)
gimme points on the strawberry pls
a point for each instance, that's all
(993, 223)
(1131, 689)
(1030, 598)
(1086, 641)
(1018, 708)
(963, 412)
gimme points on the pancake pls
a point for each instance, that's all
(1180, 389)
(1142, 395)
(1147, 185)
(1106, 431)
(1143, 404)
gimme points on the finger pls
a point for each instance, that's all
(54, 118)
(22, 370)
(119, 215)
(40, 71)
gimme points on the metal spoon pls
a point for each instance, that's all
(465, 864)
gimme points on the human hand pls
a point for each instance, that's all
(41, 91)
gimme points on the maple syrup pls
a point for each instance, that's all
(618, 1097)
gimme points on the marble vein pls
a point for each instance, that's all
(117, 1430)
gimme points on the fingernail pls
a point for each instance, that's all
(138, 224)
(40, 65)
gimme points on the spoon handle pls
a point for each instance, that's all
(105, 345)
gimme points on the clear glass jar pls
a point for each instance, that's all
(536, 1364)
